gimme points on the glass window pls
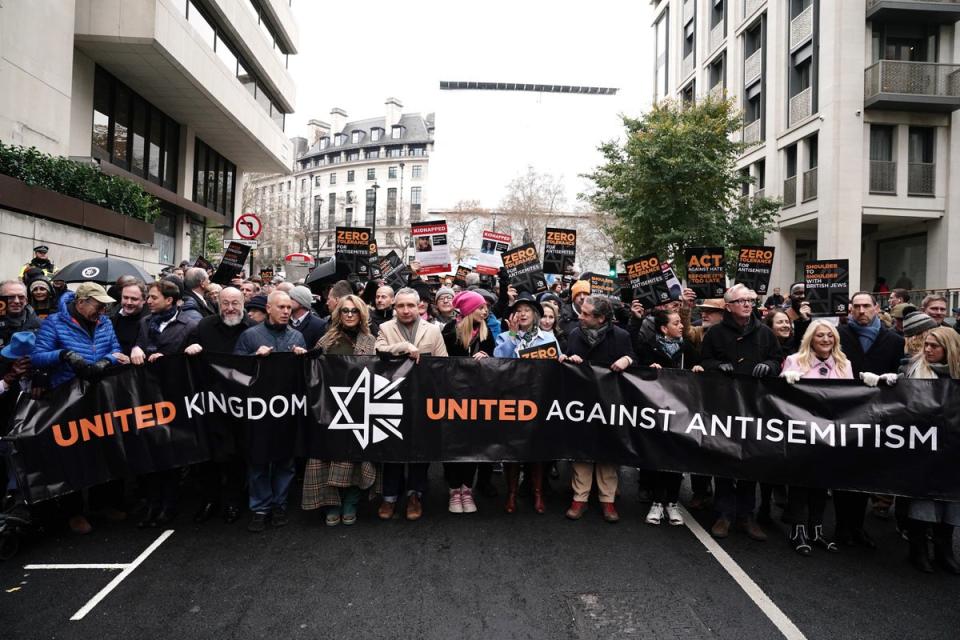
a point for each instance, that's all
(338, 139)
(417, 171)
(171, 154)
(156, 141)
(392, 173)
(331, 210)
(375, 134)
(225, 54)
(316, 181)
(353, 156)
(246, 79)
(324, 142)
(200, 172)
(396, 131)
(139, 136)
(165, 229)
(415, 195)
(371, 174)
(355, 137)
(371, 209)
(263, 99)
(200, 24)
(121, 126)
(230, 179)
(101, 115)
(392, 205)
(350, 175)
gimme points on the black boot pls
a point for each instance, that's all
(943, 548)
(919, 554)
(821, 540)
(798, 538)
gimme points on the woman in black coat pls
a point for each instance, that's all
(466, 336)
(668, 350)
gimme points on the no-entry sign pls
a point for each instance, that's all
(248, 226)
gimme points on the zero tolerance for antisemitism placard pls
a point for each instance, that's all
(353, 249)
(647, 281)
(559, 250)
(754, 265)
(523, 268)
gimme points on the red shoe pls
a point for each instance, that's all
(576, 510)
(610, 512)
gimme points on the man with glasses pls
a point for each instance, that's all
(16, 314)
(740, 344)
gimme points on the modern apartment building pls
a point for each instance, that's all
(184, 97)
(851, 116)
(353, 173)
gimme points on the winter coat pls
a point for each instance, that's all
(507, 345)
(127, 329)
(884, 355)
(455, 349)
(169, 340)
(743, 347)
(214, 336)
(428, 339)
(194, 308)
(10, 325)
(312, 328)
(569, 318)
(61, 332)
(282, 338)
(652, 352)
(813, 373)
(614, 345)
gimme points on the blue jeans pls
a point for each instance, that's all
(270, 484)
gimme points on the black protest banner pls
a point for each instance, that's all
(374, 272)
(231, 264)
(559, 250)
(902, 440)
(353, 249)
(523, 268)
(647, 281)
(546, 351)
(602, 285)
(754, 265)
(706, 271)
(203, 263)
(827, 284)
(460, 277)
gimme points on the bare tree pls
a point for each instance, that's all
(464, 224)
(530, 201)
(596, 249)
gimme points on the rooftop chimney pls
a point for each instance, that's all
(338, 120)
(393, 108)
(318, 129)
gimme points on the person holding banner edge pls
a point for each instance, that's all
(740, 344)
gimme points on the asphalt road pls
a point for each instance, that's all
(486, 575)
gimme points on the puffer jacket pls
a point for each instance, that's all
(60, 332)
(507, 345)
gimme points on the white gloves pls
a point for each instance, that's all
(872, 379)
(791, 376)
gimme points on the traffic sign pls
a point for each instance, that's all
(250, 243)
(248, 226)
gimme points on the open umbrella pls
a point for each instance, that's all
(325, 273)
(104, 270)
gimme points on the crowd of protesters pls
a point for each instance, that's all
(50, 335)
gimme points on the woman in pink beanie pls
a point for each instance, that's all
(466, 336)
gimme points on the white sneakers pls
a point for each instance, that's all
(461, 501)
(656, 514)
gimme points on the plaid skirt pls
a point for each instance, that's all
(322, 481)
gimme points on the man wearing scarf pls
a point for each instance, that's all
(407, 335)
(597, 341)
(870, 347)
(17, 315)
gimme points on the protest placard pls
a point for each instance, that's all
(827, 284)
(430, 246)
(353, 250)
(647, 280)
(754, 265)
(706, 273)
(559, 250)
(492, 245)
(523, 268)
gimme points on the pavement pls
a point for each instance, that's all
(483, 575)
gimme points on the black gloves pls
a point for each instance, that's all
(96, 369)
(75, 360)
(726, 367)
(762, 370)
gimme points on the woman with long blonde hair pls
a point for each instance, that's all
(338, 485)
(818, 358)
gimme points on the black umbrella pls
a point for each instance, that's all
(325, 273)
(104, 270)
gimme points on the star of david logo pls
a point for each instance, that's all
(382, 409)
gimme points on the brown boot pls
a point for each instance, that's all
(536, 477)
(512, 471)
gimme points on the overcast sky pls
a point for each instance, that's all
(354, 56)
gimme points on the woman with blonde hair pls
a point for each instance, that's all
(338, 485)
(465, 336)
(939, 359)
(818, 358)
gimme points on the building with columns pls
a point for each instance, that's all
(866, 90)
(351, 173)
(184, 97)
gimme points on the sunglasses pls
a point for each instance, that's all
(349, 311)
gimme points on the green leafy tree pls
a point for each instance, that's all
(674, 183)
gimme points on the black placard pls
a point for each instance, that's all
(559, 250)
(706, 271)
(231, 264)
(754, 265)
(647, 281)
(602, 285)
(546, 351)
(393, 271)
(354, 249)
(460, 278)
(524, 269)
(827, 285)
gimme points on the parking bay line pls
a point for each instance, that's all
(126, 570)
(751, 588)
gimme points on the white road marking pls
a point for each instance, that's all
(753, 591)
(95, 600)
(76, 566)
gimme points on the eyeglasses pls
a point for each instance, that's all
(349, 311)
(749, 301)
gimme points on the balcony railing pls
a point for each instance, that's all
(883, 177)
(717, 36)
(751, 132)
(925, 11)
(790, 192)
(921, 178)
(801, 106)
(750, 7)
(752, 67)
(687, 11)
(809, 184)
(926, 86)
(686, 68)
(801, 28)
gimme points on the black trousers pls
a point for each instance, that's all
(735, 499)
(700, 485)
(805, 506)
(666, 487)
(222, 481)
(459, 474)
(851, 509)
(394, 481)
